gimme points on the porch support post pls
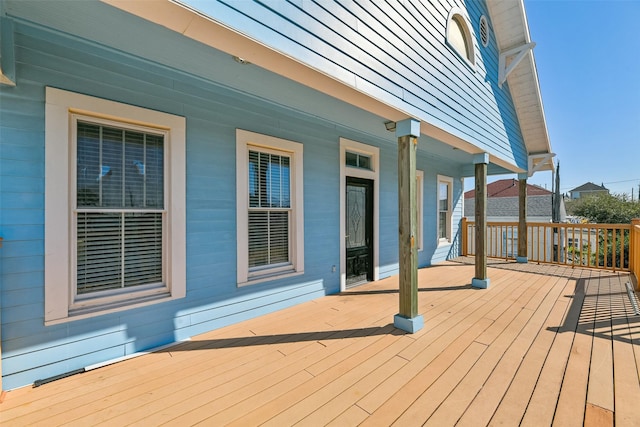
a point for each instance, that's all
(407, 132)
(481, 280)
(522, 219)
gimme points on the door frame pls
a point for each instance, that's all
(373, 175)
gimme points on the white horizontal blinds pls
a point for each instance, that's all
(120, 208)
(142, 248)
(99, 251)
(269, 209)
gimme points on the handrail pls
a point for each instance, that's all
(602, 246)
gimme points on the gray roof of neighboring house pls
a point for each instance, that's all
(508, 188)
(590, 186)
(537, 206)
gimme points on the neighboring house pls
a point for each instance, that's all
(588, 189)
(503, 202)
(173, 167)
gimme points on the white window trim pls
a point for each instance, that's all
(374, 175)
(448, 180)
(245, 140)
(470, 58)
(60, 108)
(419, 205)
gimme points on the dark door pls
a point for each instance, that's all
(359, 231)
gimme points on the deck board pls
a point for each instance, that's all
(573, 393)
(600, 388)
(545, 344)
(541, 407)
(516, 399)
(484, 403)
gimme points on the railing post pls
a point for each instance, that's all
(634, 252)
(463, 237)
(522, 219)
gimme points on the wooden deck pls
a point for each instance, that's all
(544, 345)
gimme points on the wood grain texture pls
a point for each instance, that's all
(522, 352)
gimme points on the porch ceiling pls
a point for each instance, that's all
(545, 344)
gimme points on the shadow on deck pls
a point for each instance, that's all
(543, 345)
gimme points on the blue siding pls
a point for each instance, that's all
(214, 108)
(396, 51)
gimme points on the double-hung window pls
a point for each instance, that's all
(114, 206)
(270, 210)
(269, 202)
(445, 194)
(120, 210)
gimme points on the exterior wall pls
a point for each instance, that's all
(31, 350)
(397, 52)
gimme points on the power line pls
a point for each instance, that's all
(626, 180)
(607, 183)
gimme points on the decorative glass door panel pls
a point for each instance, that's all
(359, 231)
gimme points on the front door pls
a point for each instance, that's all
(359, 231)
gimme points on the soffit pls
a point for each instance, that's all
(509, 21)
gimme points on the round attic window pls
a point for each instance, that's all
(484, 31)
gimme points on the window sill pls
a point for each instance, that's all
(269, 277)
(84, 311)
(443, 243)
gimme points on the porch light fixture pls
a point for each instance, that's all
(241, 60)
(391, 126)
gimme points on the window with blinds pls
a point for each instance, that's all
(445, 192)
(443, 210)
(269, 209)
(120, 208)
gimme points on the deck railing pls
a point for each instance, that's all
(603, 246)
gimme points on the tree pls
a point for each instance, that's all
(607, 208)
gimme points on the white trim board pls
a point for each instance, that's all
(374, 175)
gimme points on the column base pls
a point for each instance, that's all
(480, 283)
(522, 259)
(412, 325)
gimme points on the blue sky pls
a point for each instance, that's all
(588, 61)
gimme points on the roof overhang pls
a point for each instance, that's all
(512, 35)
(204, 29)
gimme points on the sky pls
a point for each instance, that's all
(588, 61)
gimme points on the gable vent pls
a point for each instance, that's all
(484, 31)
